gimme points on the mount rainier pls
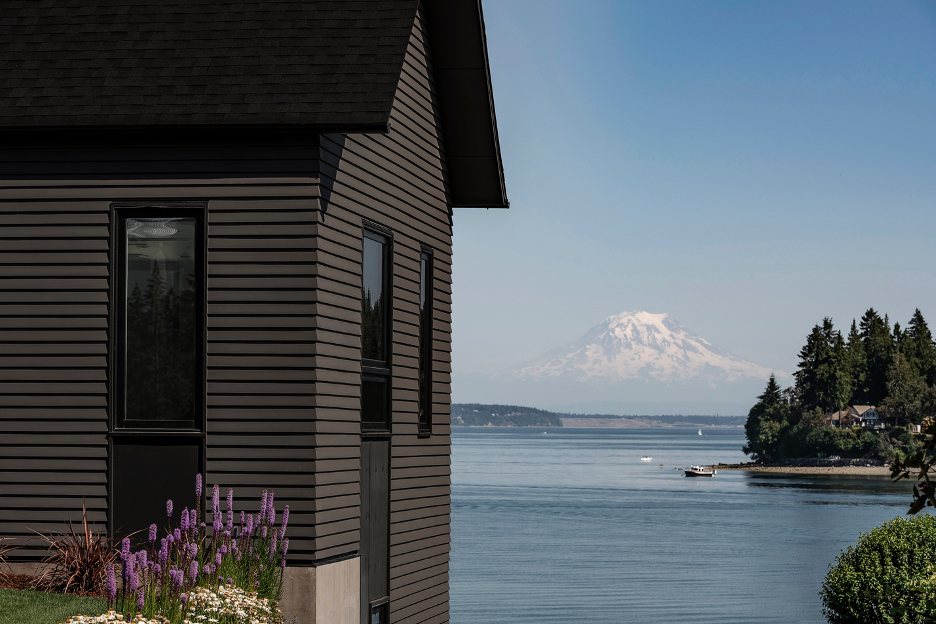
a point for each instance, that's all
(639, 346)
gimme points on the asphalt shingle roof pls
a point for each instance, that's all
(106, 63)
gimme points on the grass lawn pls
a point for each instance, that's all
(33, 607)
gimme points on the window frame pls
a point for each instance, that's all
(425, 348)
(120, 214)
(381, 369)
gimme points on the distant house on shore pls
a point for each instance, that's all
(862, 415)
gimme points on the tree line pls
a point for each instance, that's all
(889, 367)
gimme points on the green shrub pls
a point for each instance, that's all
(888, 577)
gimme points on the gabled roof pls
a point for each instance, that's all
(314, 65)
(119, 63)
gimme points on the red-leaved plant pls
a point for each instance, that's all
(77, 561)
(5, 550)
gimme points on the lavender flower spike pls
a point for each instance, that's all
(285, 522)
(184, 520)
(198, 486)
(125, 549)
(271, 511)
(248, 527)
(193, 570)
(152, 533)
(111, 585)
(169, 508)
(140, 601)
(215, 500)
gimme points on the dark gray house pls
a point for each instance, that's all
(225, 247)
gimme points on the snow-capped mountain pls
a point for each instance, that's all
(639, 346)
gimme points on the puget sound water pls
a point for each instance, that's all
(572, 527)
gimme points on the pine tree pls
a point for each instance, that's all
(919, 348)
(858, 367)
(879, 346)
(766, 423)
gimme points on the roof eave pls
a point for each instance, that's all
(469, 124)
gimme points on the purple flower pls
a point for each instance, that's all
(193, 550)
(128, 570)
(193, 521)
(218, 556)
(152, 533)
(177, 534)
(163, 550)
(271, 551)
(285, 522)
(256, 583)
(125, 549)
(177, 580)
(271, 512)
(183, 598)
(215, 500)
(157, 568)
(184, 520)
(220, 580)
(242, 518)
(206, 570)
(263, 507)
(193, 571)
(248, 527)
(230, 521)
(198, 487)
(111, 585)
(141, 558)
(229, 580)
(263, 531)
(285, 548)
(140, 599)
(134, 580)
(169, 507)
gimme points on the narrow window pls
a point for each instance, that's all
(425, 342)
(375, 334)
(159, 320)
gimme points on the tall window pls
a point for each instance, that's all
(375, 334)
(425, 342)
(159, 321)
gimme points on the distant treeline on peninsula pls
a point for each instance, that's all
(489, 415)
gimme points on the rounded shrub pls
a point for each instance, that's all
(889, 576)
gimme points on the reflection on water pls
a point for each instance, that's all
(573, 527)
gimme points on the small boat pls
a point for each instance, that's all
(646, 458)
(700, 471)
(700, 432)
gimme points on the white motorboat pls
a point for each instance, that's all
(646, 458)
(700, 432)
(700, 471)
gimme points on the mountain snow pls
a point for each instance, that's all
(639, 346)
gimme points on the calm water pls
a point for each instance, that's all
(573, 527)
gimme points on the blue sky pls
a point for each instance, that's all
(747, 167)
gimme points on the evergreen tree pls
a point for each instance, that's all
(878, 346)
(766, 422)
(905, 392)
(823, 380)
(919, 349)
(858, 367)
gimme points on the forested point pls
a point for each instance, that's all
(482, 415)
(859, 395)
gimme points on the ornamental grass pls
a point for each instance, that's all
(172, 580)
(78, 560)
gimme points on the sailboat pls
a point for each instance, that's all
(700, 432)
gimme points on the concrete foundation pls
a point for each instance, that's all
(326, 594)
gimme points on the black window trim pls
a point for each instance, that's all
(119, 213)
(426, 351)
(381, 368)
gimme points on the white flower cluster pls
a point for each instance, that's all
(232, 604)
(113, 616)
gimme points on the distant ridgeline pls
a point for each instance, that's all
(477, 415)
(481, 415)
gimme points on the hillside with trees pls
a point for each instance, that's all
(890, 368)
(482, 415)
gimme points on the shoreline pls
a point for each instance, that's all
(809, 470)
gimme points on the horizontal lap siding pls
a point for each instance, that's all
(260, 376)
(397, 181)
(53, 366)
(261, 305)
